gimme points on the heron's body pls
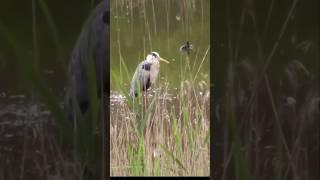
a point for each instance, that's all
(92, 45)
(146, 73)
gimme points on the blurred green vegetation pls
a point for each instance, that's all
(36, 41)
(266, 89)
(56, 30)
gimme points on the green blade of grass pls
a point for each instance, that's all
(34, 80)
(207, 138)
(145, 118)
(49, 19)
(176, 133)
(122, 63)
(168, 152)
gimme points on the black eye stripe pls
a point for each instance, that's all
(153, 54)
(106, 17)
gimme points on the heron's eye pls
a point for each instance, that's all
(106, 17)
(154, 55)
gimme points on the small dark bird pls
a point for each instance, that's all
(186, 48)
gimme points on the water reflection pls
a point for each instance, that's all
(31, 145)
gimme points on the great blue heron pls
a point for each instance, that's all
(91, 46)
(186, 48)
(146, 73)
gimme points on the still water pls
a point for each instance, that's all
(29, 143)
(139, 27)
(45, 43)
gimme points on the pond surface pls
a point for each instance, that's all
(139, 27)
(30, 145)
(181, 92)
(18, 17)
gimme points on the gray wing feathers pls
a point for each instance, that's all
(141, 76)
(133, 88)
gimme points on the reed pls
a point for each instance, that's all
(170, 138)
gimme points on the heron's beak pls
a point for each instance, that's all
(166, 61)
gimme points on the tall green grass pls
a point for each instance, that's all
(169, 138)
(264, 87)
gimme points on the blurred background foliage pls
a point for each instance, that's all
(266, 89)
(36, 41)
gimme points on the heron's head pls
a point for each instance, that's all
(154, 56)
(189, 45)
